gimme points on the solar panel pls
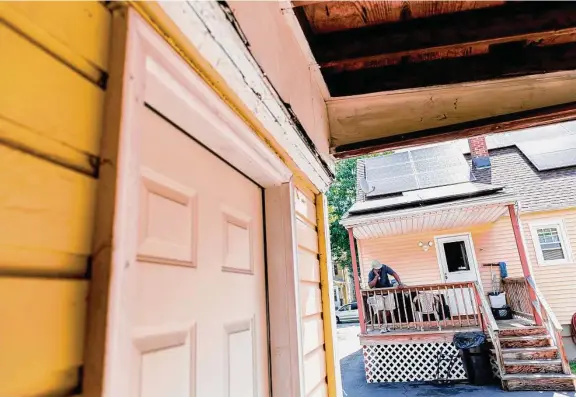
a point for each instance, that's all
(416, 169)
(550, 154)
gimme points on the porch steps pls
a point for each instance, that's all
(539, 382)
(533, 366)
(530, 353)
(531, 363)
(524, 331)
(525, 341)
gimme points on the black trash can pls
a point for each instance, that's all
(474, 354)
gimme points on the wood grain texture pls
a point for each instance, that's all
(330, 16)
(490, 125)
(442, 30)
(508, 61)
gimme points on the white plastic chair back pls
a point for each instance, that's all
(426, 303)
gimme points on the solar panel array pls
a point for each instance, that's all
(416, 169)
(550, 154)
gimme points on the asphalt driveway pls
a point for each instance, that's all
(354, 382)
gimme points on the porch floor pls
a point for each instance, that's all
(444, 334)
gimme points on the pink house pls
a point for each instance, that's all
(456, 222)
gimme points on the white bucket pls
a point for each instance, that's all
(498, 301)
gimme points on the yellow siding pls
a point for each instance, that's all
(312, 326)
(493, 243)
(51, 115)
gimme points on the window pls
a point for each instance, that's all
(456, 256)
(344, 308)
(550, 242)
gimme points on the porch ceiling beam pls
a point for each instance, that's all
(513, 21)
(506, 60)
(304, 3)
(490, 125)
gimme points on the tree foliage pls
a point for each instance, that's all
(341, 196)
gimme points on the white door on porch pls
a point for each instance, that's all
(457, 264)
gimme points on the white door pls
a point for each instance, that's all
(457, 265)
(188, 298)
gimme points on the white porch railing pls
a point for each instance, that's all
(421, 307)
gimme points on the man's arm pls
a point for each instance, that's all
(373, 279)
(397, 277)
(391, 272)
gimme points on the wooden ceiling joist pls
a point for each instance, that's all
(514, 21)
(490, 125)
(507, 60)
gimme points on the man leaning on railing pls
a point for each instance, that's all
(378, 276)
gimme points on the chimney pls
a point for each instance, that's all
(479, 152)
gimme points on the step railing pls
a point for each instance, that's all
(421, 307)
(490, 326)
(551, 323)
(518, 297)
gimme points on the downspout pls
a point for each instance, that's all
(523, 259)
(359, 299)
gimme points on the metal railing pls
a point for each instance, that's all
(518, 297)
(421, 307)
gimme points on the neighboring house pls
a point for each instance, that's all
(343, 286)
(440, 215)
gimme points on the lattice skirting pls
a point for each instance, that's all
(409, 362)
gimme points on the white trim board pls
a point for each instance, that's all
(207, 28)
(557, 223)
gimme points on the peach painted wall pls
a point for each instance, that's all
(493, 243)
(557, 282)
(279, 54)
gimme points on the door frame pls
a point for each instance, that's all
(474, 263)
(143, 66)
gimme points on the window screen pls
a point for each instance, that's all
(550, 244)
(456, 256)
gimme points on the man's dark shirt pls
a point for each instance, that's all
(384, 281)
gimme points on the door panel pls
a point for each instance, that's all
(199, 274)
(457, 264)
(188, 298)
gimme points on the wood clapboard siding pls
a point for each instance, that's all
(312, 325)
(54, 61)
(492, 243)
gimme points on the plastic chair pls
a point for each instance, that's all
(380, 303)
(426, 305)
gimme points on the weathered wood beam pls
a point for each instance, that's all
(449, 51)
(512, 19)
(304, 3)
(491, 125)
(505, 60)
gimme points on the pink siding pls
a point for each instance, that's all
(492, 243)
(279, 54)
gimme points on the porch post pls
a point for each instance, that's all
(523, 259)
(359, 300)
